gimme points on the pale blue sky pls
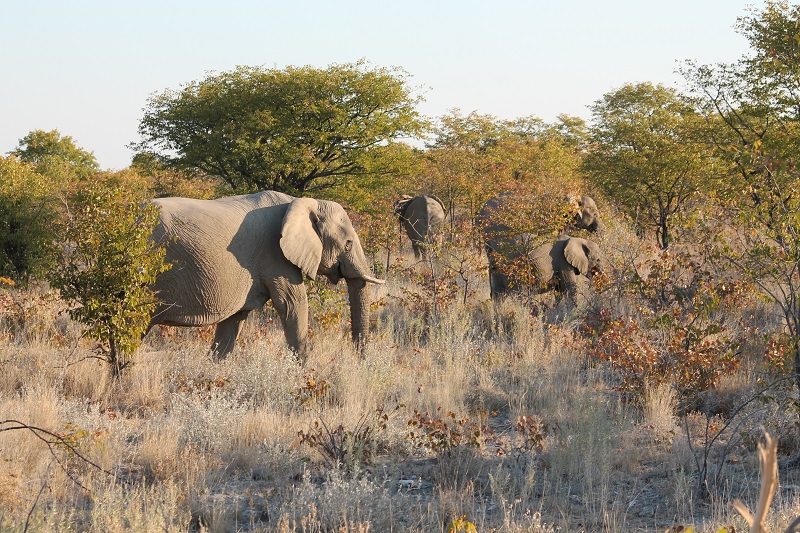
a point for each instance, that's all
(86, 67)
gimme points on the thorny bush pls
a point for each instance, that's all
(340, 446)
(676, 335)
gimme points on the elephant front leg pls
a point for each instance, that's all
(568, 287)
(498, 284)
(226, 334)
(419, 250)
(291, 303)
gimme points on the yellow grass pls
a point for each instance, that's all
(194, 445)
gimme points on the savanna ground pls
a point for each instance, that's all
(457, 414)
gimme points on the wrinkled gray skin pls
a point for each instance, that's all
(232, 254)
(498, 241)
(419, 215)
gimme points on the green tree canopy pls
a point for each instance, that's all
(47, 149)
(757, 101)
(296, 130)
(644, 153)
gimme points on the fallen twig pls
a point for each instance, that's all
(43, 434)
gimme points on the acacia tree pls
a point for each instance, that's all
(644, 153)
(297, 130)
(756, 101)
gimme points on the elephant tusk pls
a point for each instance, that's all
(370, 279)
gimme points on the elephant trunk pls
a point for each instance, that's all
(358, 291)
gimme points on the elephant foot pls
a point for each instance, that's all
(220, 352)
(300, 351)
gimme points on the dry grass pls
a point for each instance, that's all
(193, 445)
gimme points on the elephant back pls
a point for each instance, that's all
(216, 248)
(436, 210)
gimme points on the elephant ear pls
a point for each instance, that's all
(300, 241)
(576, 255)
(401, 205)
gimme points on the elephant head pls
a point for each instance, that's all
(318, 237)
(573, 257)
(584, 256)
(231, 255)
(419, 215)
(401, 204)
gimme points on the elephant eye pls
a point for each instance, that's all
(348, 246)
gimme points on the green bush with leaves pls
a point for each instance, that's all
(27, 215)
(108, 265)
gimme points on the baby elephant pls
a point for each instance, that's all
(554, 266)
(418, 215)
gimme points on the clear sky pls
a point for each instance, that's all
(87, 67)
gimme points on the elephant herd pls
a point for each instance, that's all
(231, 255)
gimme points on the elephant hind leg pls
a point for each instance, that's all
(419, 250)
(226, 333)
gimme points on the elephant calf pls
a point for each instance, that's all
(232, 254)
(419, 215)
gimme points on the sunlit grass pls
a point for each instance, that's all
(191, 444)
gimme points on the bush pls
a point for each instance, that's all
(108, 265)
(27, 216)
(678, 335)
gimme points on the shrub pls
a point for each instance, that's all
(108, 265)
(345, 447)
(677, 336)
(27, 216)
(446, 433)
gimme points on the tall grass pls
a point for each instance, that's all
(188, 444)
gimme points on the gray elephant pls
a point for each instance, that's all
(232, 254)
(419, 215)
(553, 266)
(502, 246)
(587, 216)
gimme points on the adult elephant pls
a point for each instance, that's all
(232, 254)
(502, 245)
(552, 266)
(418, 215)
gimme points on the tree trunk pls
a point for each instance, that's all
(796, 342)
